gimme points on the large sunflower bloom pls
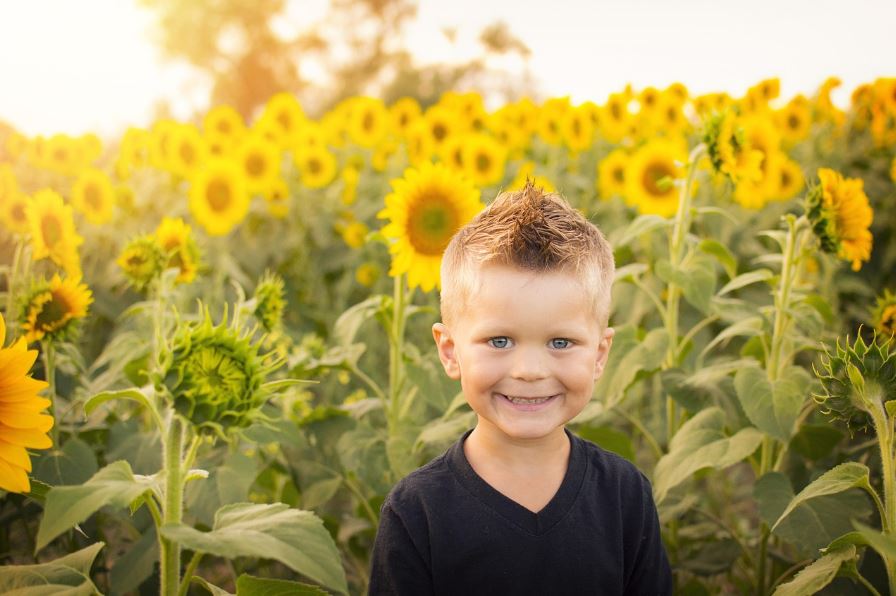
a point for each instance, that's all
(53, 234)
(225, 121)
(53, 307)
(368, 121)
(841, 216)
(218, 197)
(92, 195)
(260, 161)
(317, 166)
(424, 210)
(611, 174)
(483, 159)
(650, 176)
(22, 423)
(189, 151)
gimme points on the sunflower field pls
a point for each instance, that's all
(216, 358)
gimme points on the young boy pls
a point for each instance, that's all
(519, 505)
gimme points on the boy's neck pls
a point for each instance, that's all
(488, 444)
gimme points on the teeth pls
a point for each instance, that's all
(525, 400)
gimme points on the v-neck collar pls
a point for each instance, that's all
(534, 523)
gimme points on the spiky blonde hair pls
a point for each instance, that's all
(532, 230)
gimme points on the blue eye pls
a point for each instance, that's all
(560, 343)
(499, 342)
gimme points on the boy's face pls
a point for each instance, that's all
(527, 349)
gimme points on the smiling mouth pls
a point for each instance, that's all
(527, 400)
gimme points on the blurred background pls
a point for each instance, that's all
(100, 65)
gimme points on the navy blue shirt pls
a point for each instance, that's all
(444, 530)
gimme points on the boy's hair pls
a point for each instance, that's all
(529, 229)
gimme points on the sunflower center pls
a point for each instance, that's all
(255, 165)
(793, 121)
(314, 166)
(654, 173)
(284, 121)
(219, 195)
(483, 163)
(18, 212)
(92, 197)
(51, 229)
(619, 174)
(367, 122)
(888, 319)
(53, 313)
(439, 131)
(431, 223)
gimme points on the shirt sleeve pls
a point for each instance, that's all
(397, 567)
(650, 573)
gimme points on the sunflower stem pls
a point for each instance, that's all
(12, 282)
(885, 440)
(396, 337)
(789, 272)
(173, 512)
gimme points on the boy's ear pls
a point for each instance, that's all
(603, 352)
(447, 354)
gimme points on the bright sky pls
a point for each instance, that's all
(69, 66)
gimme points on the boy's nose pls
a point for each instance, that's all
(529, 365)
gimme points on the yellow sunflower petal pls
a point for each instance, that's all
(13, 478)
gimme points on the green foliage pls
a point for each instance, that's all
(69, 575)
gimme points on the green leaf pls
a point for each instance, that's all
(700, 443)
(610, 439)
(320, 492)
(749, 327)
(815, 441)
(631, 270)
(131, 569)
(143, 396)
(641, 225)
(745, 279)
(697, 280)
(212, 588)
(68, 576)
(855, 538)
(884, 544)
(296, 538)
(630, 357)
(66, 506)
(710, 210)
(247, 585)
(724, 256)
(843, 477)
(772, 407)
(234, 477)
(346, 327)
(818, 574)
(281, 384)
(73, 464)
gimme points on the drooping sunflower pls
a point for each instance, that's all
(52, 228)
(92, 195)
(611, 174)
(317, 166)
(260, 161)
(23, 424)
(270, 300)
(52, 308)
(425, 208)
(841, 216)
(650, 176)
(175, 237)
(218, 197)
(483, 159)
(728, 149)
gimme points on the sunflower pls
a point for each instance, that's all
(132, 153)
(188, 151)
(14, 213)
(259, 159)
(420, 145)
(350, 177)
(62, 154)
(218, 196)
(403, 113)
(285, 113)
(367, 273)
(577, 129)
(52, 229)
(841, 216)
(728, 149)
(650, 176)
(611, 174)
(175, 237)
(142, 260)
(224, 121)
(527, 174)
(368, 121)
(23, 425)
(161, 143)
(550, 118)
(354, 234)
(790, 176)
(483, 159)
(884, 315)
(92, 195)
(441, 123)
(426, 207)
(794, 120)
(8, 183)
(277, 198)
(51, 309)
(317, 166)
(383, 153)
(712, 102)
(615, 117)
